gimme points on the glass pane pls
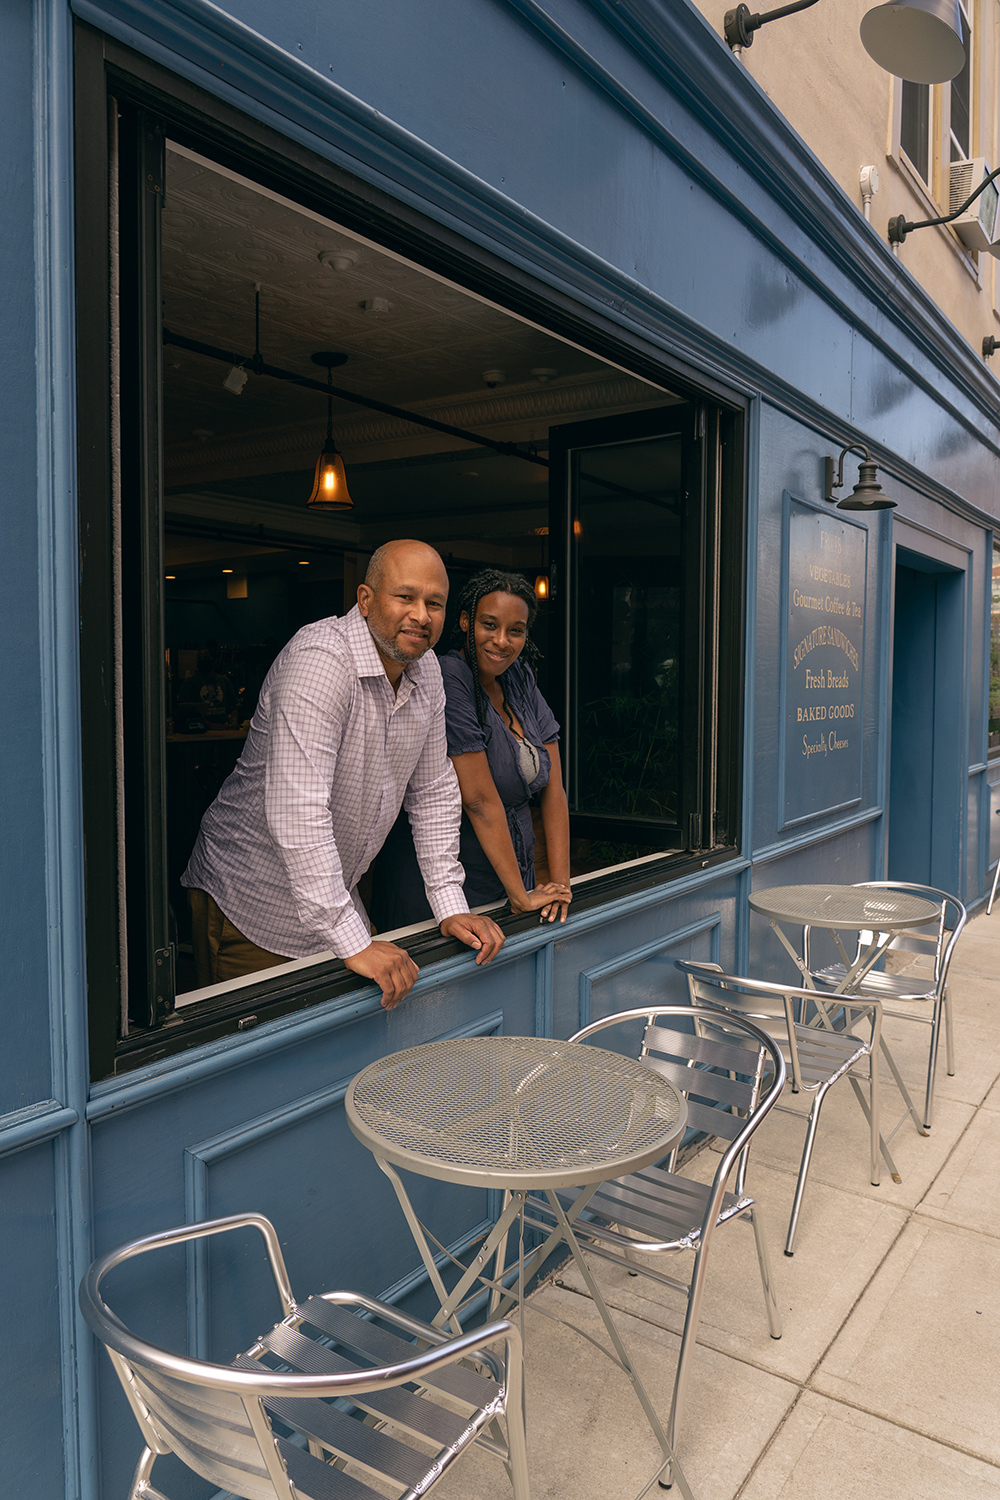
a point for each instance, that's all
(995, 654)
(915, 125)
(629, 597)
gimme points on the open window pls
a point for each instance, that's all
(234, 305)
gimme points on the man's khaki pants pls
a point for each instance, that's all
(221, 951)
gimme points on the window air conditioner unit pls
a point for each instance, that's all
(979, 226)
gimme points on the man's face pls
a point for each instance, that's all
(405, 613)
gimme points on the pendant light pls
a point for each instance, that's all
(919, 40)
(329, 491)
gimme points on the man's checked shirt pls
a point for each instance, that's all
(331, 755)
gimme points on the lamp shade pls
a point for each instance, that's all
(329, 491)
(920, 40)
(867, 494)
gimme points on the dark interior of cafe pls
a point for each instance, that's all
(459, 424)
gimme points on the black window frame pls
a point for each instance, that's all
(161, 104)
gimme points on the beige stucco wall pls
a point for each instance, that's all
(816, 72)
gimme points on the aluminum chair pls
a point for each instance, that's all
(895, 990)
(731, 1074)
(242, 1426)
(818, 1046)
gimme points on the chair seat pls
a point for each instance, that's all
(663, 1207)
(882, 986)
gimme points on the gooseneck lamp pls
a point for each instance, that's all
(920, 40)
(329, 491)
(867, 493)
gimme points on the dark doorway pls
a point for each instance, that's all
(925, 771)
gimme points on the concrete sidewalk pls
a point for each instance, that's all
(885, 1385)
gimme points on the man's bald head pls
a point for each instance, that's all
(394, 554)
(403, 599)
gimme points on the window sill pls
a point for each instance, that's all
(218, 1016)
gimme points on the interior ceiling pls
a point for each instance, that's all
(427, 350)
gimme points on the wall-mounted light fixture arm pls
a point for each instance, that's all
(740, 24)
(900, 226)
(829, 464)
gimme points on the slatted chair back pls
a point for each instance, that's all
(219, 1419)
(936, 941)
(782, 1010)
(722, 1074)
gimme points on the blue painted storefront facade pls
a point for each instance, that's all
(616, 155)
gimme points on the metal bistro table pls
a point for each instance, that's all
(850, 908)
(840, 908)
(520, 1114)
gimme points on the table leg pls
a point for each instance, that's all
(567, 1235)
(539, 1255)
(799, 963)
(450, 1301)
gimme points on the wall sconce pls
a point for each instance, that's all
(739, 25)
(901, 226)
(919, 40)
(542, 586)
(867, 493)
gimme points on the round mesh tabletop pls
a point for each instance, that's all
(515, 1112)
(853, 906)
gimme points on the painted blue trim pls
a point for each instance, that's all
(114, 1095)
(197, 1161)
(887, 594)
(198, 41)
(628, 960)
(821, 508)
(813, 836)
(37, 1123)
(543, 990)
(199, 1157)
(745, 878)
(59, 615)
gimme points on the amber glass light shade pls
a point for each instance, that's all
(329, 491)
(542, 586)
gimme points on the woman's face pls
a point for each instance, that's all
(501, 631)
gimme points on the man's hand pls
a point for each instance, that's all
(475, 932)
(392, 969)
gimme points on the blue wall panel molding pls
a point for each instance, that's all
(622, 961)
(29, 1127)
(55, 345)
(202, 1156)
(236, 63)
(815, 836)
(794, 778)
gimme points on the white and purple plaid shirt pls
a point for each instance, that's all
(331, 755)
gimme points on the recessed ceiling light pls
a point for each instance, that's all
(303, 562)
(171, 577)
(227, 570)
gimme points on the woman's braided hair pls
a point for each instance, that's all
(492, 581)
